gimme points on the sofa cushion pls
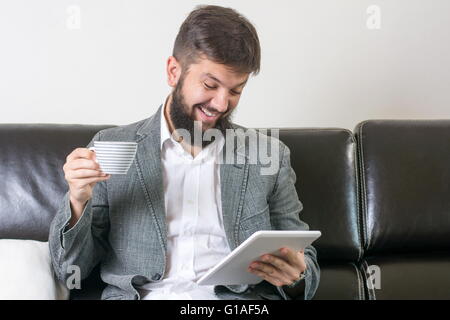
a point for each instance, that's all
(405, 179)
(26, 272)
(410, 276)
(340, 281)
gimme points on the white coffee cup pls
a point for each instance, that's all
(114, 157)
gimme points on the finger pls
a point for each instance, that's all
(269, 278)
(271, 271)
(84, 173)
(267, 268)
(80, 153)
(301, 257)
(291, 272)
(291, 256)
(81, 183)
(82, 164)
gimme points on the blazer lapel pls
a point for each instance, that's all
(233, 184)
(148, 162)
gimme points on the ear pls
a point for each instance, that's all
(173, 71)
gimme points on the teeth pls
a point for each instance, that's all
(208, 113)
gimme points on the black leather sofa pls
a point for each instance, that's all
(380, 195)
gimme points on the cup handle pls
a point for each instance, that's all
(93, 149)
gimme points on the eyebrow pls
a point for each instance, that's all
(209, 75)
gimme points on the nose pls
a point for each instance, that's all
(220, 103)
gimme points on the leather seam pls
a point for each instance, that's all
(355, 168)
(363, 186)
(359, 281)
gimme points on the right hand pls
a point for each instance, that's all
(82, 172)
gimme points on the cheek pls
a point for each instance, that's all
(193, 96)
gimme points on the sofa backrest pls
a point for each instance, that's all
(31, 170)
(325, 164)
(405, 184)
(33, 155)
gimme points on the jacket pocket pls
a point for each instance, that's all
(256, 220)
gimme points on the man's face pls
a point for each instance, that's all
(209, 93)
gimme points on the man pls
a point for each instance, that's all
(179, 210)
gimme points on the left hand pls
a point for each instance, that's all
(280, 271)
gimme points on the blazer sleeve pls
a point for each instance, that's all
(285, 208)
(85, 244)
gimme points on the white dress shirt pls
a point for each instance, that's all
(196, 239)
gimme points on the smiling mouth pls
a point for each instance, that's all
(208, 115)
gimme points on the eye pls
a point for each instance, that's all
(235, 93)
(209, 87)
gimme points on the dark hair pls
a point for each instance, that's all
(222, 35)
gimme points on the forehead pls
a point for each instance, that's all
(205, 68)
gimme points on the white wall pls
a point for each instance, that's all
(322, 66)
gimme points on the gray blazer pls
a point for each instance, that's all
(123, 226)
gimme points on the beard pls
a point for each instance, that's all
(181, 118)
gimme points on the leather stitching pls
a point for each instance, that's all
(358, 221)
(363, 187)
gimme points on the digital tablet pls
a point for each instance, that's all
(232, 270)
